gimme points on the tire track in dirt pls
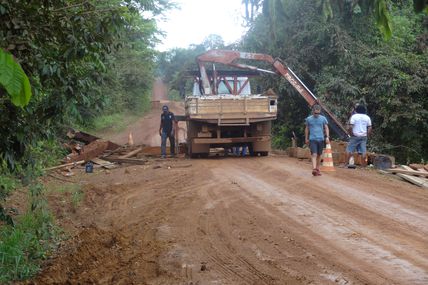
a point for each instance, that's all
(337, 223)
(220, 237)
(249, 221)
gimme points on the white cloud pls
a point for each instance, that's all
(196, 19)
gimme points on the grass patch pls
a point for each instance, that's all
(109, 123)
(76, 197)
(24, 246)
(26, 240)
(74, 192)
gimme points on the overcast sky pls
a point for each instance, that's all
(196, 19)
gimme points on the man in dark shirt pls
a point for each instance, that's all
(167, 130)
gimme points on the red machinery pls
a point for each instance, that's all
(231, 58)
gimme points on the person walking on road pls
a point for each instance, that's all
(167, 130)
(360, 126)
(316, 134)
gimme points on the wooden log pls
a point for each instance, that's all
(408, 172)
(416, 166)
(303, 153)
(110, 152)
(181, 165)
(132, 153)
(292, 151)
(90, 151)
(59, 178)
(420, 170)
(421, 182)
(126, 160)
(64, 165)
(104, 163)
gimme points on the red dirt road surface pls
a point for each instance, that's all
(250, 220)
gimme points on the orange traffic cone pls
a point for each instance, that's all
(130, 139)
(327, 162)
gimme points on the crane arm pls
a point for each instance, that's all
(230, 58)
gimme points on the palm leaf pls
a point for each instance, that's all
(14, 80)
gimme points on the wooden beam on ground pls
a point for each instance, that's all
(416, 166)
(421, 182)
(407, 172)
(181, 165)
(104, 163)
(132, 153)
(126, 160)
(64, 165)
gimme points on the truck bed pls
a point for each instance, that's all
(231, 109)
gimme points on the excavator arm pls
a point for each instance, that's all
(231, 58)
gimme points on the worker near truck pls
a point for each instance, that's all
(360, 126)
(167, 130)
(353, 112)
(317, 134)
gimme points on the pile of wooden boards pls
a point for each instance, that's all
(84, 146)
(338, 149)
(129, 154)
(299, 152)
(414, 173)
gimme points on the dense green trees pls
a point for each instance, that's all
(77, 55)
(345, 59)
(346, 51)
(173, 64)
(83, 58)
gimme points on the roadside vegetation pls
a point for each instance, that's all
(374, 52)
(86, 64)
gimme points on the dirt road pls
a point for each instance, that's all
(263, 220)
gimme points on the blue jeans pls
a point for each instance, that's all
(164, 136)
(357, 143)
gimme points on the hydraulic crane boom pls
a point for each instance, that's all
(228, 57)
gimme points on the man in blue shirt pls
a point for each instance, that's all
(316, 134)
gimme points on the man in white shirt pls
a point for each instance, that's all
(360, 128)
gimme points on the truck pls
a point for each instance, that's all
(222, 111)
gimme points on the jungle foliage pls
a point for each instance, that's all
(83, 58)
(345, 59)
(172, 65)
(62, 63)
(373, 52)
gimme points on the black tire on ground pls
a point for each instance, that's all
(264, 153)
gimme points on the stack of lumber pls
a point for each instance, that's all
(414, 173)
(299, 152)
(126, 155)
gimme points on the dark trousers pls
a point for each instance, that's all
(171, 142)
